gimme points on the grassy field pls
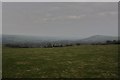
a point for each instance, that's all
(85, 61)
(0, 61)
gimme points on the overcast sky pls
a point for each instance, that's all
(60, 19)
(0, 18)
(60, 0)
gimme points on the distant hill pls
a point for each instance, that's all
(37, 39)
(0, 39)
(98, 38)
(31, 39)
(21, 39)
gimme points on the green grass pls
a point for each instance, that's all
(0, 61)
(85, 61)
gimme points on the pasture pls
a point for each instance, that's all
(84, 61)
(0, 61)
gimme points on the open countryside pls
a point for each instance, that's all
(84, 61)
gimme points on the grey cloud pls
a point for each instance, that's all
(108, 13)
(60, 19)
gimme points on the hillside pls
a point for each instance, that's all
(40, 39)
(98, 38)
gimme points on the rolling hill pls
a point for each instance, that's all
(98, 38)
(38, 39)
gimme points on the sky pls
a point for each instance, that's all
(60, 0)
(61, 19)
(0, 18)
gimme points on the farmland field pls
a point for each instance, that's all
(0, 61)
(85, 61)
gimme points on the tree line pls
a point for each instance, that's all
(53, 44)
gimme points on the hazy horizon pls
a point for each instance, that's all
(60, 19)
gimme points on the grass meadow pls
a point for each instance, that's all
(0, 61)
(84, 61)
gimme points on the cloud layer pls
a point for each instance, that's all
(60, 19)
